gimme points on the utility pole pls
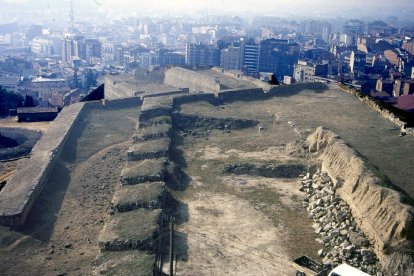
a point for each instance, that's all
(172, 246)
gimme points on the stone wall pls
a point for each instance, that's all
(193, 98)
(24, 187)
(123, 102)
(115, 89)
(232, 95)
(238, 75)
(378, 210)
(380, 109)
(180, 77)
(278, 90)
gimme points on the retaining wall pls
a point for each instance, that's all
(180, 77)
(115, 89)
(383, 111)
(192, 98)
(232, 95)
(21, 191)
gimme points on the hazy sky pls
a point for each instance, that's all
(312, 8)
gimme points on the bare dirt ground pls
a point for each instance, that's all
(7, 169)
(241, 224)
(374, 137)
(11, 122)
(61, 232)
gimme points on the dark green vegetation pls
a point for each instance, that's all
(9, 100)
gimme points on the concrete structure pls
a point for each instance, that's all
(385, 86)
(278, 56)
(231, 58)
(93, 49)
(36, 114)
(194, 81)
(289, 80)
(306, 71)
(409, 47)
(24, 187)
(167, 57)
(357, 63)
(43, 47)
(120, 86)
(250, 58)
(47, 87)
(202, 55)
(408, 87)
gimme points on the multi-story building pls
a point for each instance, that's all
(168, 57)
(93, 49)
(408, 87)
(250, 57)
(45, 87)
(306, 71)
(357, 63)
(42, 47)
(409, 47)
(202, 55)
(386, 85)
(231, 57)
(278, 56)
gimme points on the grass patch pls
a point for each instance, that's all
(125, 263)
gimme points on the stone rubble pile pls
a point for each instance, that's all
(342, 241)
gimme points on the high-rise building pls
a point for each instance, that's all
(202, 55)
(73, 47)
(231, 58)
(42, 46)
(250, 60)
(357, 63)
(93, 49)
(278, 56)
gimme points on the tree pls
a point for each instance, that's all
(28, 101)
(9, 100)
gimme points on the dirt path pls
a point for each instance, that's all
(235, 239)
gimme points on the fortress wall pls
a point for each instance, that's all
(297, 87)
(238, 75)
(123, 102)
(115, 90)
(232, 95)
(375, 106)
(192, 98)
(378, 210)
(21, 191)
(180, 77)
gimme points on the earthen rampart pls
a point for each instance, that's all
(24, 187)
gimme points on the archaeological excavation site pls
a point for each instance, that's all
(206, 172)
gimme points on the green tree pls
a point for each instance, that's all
(9, 100)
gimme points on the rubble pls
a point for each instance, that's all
(341, 239)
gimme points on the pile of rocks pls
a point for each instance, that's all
(342, 241)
